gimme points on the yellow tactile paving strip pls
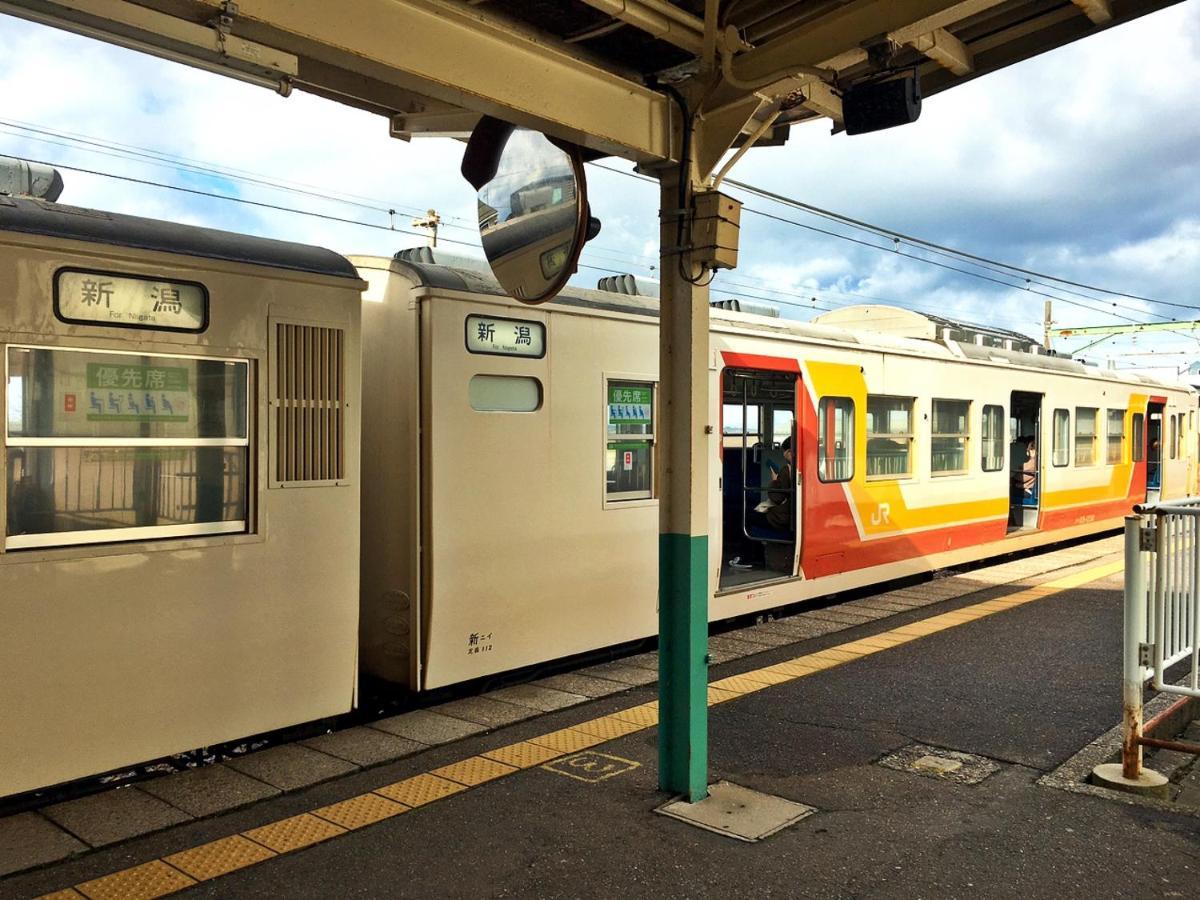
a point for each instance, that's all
(361, 811)
(180, 870)
(219, 857)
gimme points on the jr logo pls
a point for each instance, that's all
(882, 514)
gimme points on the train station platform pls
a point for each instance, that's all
(923, 734)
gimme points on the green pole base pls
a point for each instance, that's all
(683, 665)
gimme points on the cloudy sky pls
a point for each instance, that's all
(1083, 164)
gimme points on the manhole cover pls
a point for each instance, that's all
(934, 762)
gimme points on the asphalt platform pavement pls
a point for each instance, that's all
(1019, 688)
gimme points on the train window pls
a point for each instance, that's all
(1139, 430)
(1174, 435)
(737, 419)
(106, 446)
(835, 439)
(1085, 436)
(629, 441)
(993, 438)
(1114, 437)
(1061, 454)
(889, 436)
(948, 449)
(505, 393)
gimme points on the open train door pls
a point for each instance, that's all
(1025, 461)
(1154, 448)
(759, 481)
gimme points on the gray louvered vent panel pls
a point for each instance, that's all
(310, 393)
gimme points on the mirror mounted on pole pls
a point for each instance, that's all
(533, 210)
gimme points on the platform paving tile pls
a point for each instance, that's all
(765, 635)
(883, 607)
(534, 696)
(28, 840)
(364, 746)
(114, 816)
(722, 649)
(589, 686)
(428, 727)
(487, 712)
(644, 660)
(290, 767)
(801, 628)
(626, 674)
(208, 790)
(841, 616)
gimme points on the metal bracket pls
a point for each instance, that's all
(1145, 655)
(1147, 538)
(222, 23)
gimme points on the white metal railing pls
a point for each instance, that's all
(1162, 612)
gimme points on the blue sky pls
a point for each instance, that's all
(1082, 163)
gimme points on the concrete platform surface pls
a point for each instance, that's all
(982, 687)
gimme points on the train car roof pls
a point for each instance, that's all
(479, 281)
(28, 216)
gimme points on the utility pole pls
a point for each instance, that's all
(431, 222)
(1046, 326)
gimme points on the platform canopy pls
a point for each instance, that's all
(587, 70)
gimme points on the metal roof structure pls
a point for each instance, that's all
(593, 71)
(903, 322)
(58, 220)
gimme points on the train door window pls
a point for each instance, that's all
(948, 447)
(1114, 437)
(835, 439)
(738, 420)
(889, 436)
(992, 438)
(1061, 452)
(629, 441)
(1085, 436)
(1139, 428)
(106, 446)
(1174, 439)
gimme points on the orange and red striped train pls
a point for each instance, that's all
(514, 462)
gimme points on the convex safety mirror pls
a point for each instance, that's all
(533, 210)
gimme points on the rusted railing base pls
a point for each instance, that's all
(1148, 783)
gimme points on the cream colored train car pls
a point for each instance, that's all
(179, 564)
(509, 507)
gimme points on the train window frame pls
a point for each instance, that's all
(126, 534)
(997, 439)
(501, 377)
(1093, 411)
(1173, 443)
(1139, 437)
(909, 437)
(840, 405)
(1109, 419)
(645, 441)
(964, 436)
(1060, 450)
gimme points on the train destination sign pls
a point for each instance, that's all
(130, 302)
(506, 337)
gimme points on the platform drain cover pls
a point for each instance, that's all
(935, 762)
(738, 812)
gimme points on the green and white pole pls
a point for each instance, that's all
(683, 513)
